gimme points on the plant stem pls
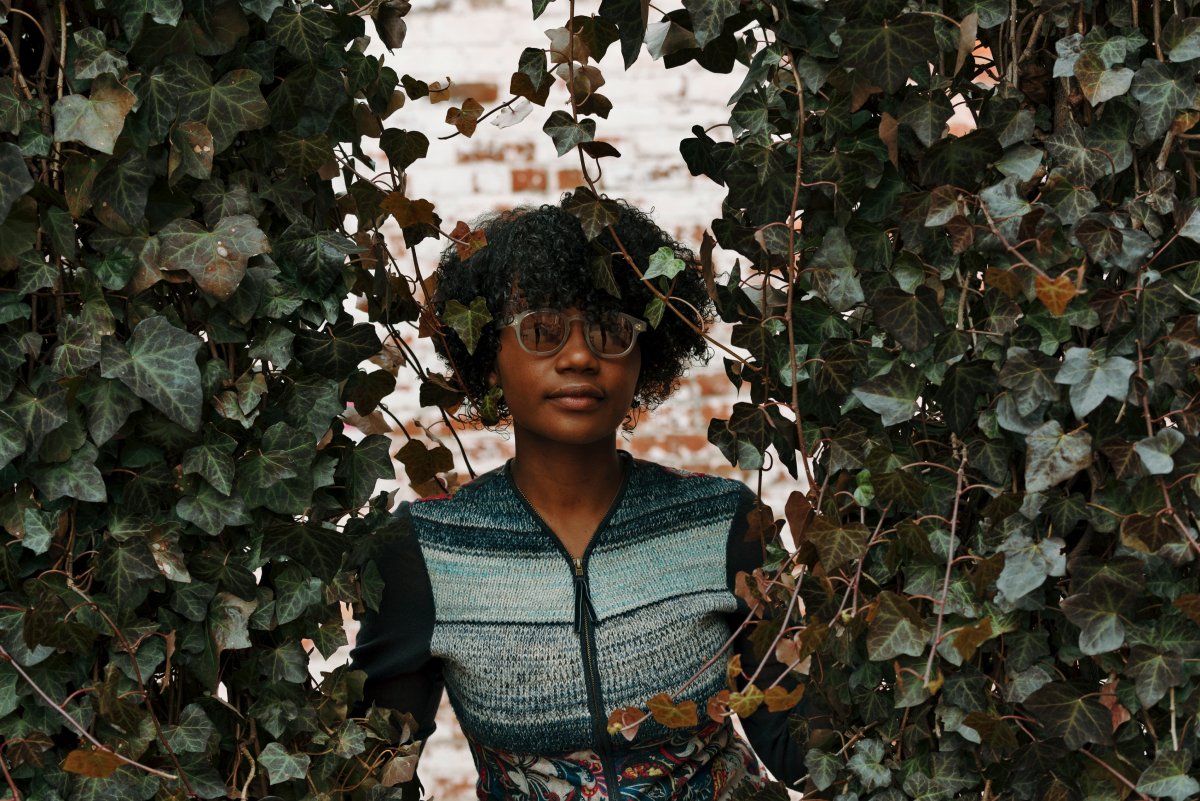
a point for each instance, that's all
(941, 615)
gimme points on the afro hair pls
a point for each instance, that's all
(541, 258)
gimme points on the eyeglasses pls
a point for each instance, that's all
(544, 332)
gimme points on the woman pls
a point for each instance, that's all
(574, 580)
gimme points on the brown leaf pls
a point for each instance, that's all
(779, 699)
(1147, 533)
(968, 639)
(1056, 294)
(671, 714)
(1123, 458)
(465, 118)
(1006, 281)
(962, 235)
(1108, 697)
(746, 588)
(732, 670)
(399, 769)
(1189, 604)
(408, 212)
(567, 46)
(889, 134)
(467, 242)
(761, 524)
(745, 703)
(91, 762)
(718, 706)
(707, 269)
(968, 29)
(626, 720)
(799, 513)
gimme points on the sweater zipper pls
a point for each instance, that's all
(585, 621)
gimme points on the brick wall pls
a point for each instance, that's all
(476, 43)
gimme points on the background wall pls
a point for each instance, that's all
(476, 43)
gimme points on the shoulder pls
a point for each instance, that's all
(474, 497)
(692, 485)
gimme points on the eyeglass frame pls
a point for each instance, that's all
(639, 327)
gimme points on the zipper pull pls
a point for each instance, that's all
(583, 598)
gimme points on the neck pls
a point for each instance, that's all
(554, 475)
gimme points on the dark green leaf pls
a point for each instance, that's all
(1169, 775)
(567, 133)
(15, 179)
(467, 321)
(361, 467)
(403, 147)
(838, 545)
(896, 629)
(212, 461)
(315, 547)
(97, 119)
(1153, 673)
(231, 105)
(193, 732)
(1029, 375)
(913, 319)
(887, 55)
(1053, 456)
(160, 367)
(78, 477)
(594, 214)
(1161, 91)
(302, 31)
(1073, 712)
(893, 395)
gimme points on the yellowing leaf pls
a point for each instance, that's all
(97, 119)
(1056, 294)
(718, 706)
(93, 763)
(626, 720)
(779, 699)
(744, 703)
(672, 715)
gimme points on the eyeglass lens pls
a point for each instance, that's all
(545, 331)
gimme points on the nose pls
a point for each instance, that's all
(575, 353)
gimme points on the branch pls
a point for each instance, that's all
(937, 633)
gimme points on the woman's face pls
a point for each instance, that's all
(572, 397)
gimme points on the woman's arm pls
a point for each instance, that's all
(767, 731)
(393, 642)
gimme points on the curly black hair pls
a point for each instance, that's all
(540, 257)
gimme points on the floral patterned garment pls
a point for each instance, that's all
(705, 764)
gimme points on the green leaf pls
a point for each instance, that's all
(887, 55)
(914, 320)
(1169, 775)
(1027, 563)
(567, 133)
(961, 161)
(109, 404)
(231, 105)
(402, 147)
(1029, 375)
(123, 187)
(126, 569)
(285, 662)
(97, 119)
(160, 367)
(893, 395)
(318, 548)
(192, 733)
(594, 214)
(964, 387)
(228, 618)
(367, 463)
(708, 17)
(216, 260)
(1181, 38)
(78, 347)
(1154, 673)
(1155, 452)
(302, 32)
(1069, 200)
(1098, 81)
(1073, 712)
(1053, 456)
(78, 477)
(823, 767)
(927, 114)
(15, 179)
(896, 629)
(837, 544)
(295, 592)
(133, 12)
(281, 765)
(92, 56)
(467, 321)
(867, 764)
(1162, 90)
(1093, 377)
(1098, 613)
(211, 511)
(212, 461)
(834, 275)
(664, 263)
(39, 530)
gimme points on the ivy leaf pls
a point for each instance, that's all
(314, 546)
(123, 188)
(192, 733)
(1098, 81)
(1027, 563)
(281, 765)
(212, 511)
(1071, 711)
(887, 55)
(708, 18)
(160, 367)
(1093, 377)
(926, 113)
(402, 148)
(1053, 456)
(92, 56)
(1098, 614)
(837, 544)
(231, 105)
(867, 764)
(467, 321)
(1155, 452)
(823, 767)
(1154, 673)
(896, 629)
(664, 263)
(295, 592)
(1029, 375)
(109, 404)
(670, 714)
(965, 385)
(213, 461)
(367, 463)
(893, 395)
(303, 32)
(914, 320)
(1162, 90)
(15, 179)
(1169, 775)
(126, 569)
(97, 119)
(78, 477)
(133, 13)
(216, 260)
(567, 133)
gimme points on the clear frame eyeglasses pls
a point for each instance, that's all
(544, 332)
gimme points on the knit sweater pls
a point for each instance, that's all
(536, 649)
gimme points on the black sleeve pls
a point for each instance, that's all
(393, 644)
(768, 731)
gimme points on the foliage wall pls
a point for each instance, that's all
(184, 508)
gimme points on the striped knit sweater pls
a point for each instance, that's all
(537, 649)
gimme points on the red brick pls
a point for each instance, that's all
(483, 92)
(529, 180)
(570, 178)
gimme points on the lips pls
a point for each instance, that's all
(577, 396)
